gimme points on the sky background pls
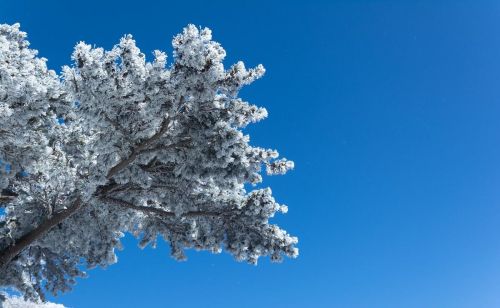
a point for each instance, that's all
(390, 110)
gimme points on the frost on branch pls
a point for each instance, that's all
(18, 302)
(143, 147)
(30, 96)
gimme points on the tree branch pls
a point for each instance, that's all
(183, 142)
(153, 210)
(139, 148)
(9, 253)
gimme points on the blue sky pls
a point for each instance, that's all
(390, 110)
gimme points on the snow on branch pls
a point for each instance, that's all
(117, 144)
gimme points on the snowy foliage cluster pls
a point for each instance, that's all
(117, 144)
(19, 302)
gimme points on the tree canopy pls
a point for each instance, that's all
(116, 144)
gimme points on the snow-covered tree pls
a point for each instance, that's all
(118, 144)
(19, 302)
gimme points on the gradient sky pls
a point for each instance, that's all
(390, 110)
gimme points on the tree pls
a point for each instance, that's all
(18, 302)
(116, 144)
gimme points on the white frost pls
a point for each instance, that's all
(148, 148)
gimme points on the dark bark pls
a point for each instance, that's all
(158, 211)
(26, 240)
(138, 149)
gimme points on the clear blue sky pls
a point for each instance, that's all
(390, 110)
